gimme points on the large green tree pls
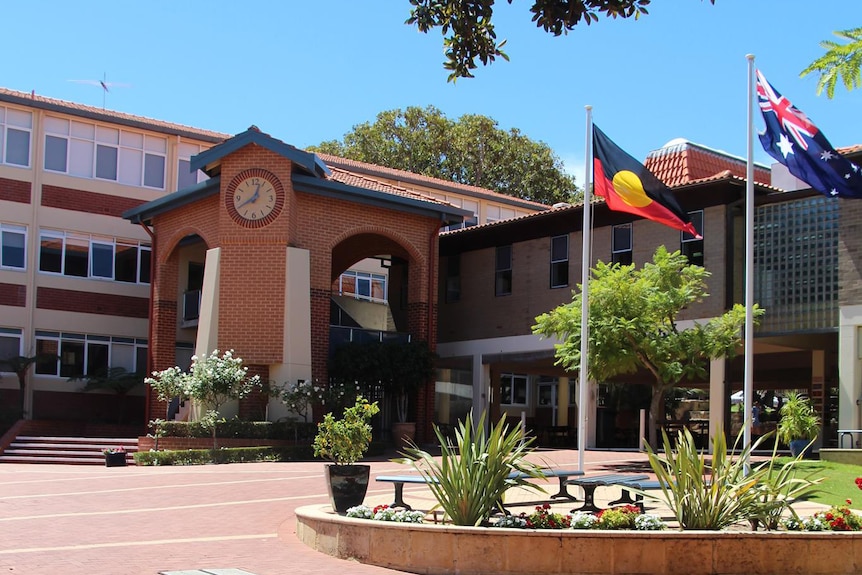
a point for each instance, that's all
(469, 32)
(472, 150)
(841, 61)
(633, 325)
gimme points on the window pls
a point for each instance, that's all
(13, 242)
(10, 346)
(453, 278)
(621, 244)
(503, 271)
(76, 355)
(461, 203)
(497, 213)
(81, 255)
(513, 389)
(691, 247)
(185, 177)
(363, 285)
(559, 261)
(90, 151)
(15, 127)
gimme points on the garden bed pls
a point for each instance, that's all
(445, 549)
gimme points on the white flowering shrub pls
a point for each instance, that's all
(511, 522)
(583, 520)
(386, 513)
(647, 522)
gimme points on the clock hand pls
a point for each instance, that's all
(252, 199)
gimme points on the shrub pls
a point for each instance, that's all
(229, 455)
(622, 517)
(583, 520)
(470, 478)
(344, 441)
(386, 513)
(541, 518)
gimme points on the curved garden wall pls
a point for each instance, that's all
(438, 550)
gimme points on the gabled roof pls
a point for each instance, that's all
(209, 160)
(144, 213)
(680, 162)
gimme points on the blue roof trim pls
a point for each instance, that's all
(309, 162)
(146, 212)
(447, 214)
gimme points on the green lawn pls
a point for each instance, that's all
(839, 481)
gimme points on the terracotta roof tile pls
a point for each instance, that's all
(382, 171)
(681, 162)
(361, 181)
(110, 115)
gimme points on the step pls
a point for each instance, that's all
(97, 440)
(62, 460)
(95, 447)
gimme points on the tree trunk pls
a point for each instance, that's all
(654, 412)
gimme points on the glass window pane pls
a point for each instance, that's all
(97, 359)
(131, 166)
(48, 352)
(71, 358)
(141, 360)
(146, 254)
(154, 171)
(51, 254)
(126, 263)
(12, 249)
(102, 260)
(81, 159)
(185, 177)
(17, 147)
(123, 355)
(55, 153)
(504, 257)
(76, 257)
(106, 162)
(559, 248)
(10, 346)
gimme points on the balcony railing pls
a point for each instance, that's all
(339, 335)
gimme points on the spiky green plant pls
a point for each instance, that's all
(471, 476)
(701, 494)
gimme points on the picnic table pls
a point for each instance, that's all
(591, 483)
(842, 433)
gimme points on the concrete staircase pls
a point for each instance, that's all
(65, 450)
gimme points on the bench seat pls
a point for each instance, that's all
(591, 483)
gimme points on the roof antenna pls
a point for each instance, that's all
(104, 84)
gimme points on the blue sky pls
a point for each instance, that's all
(308, 71)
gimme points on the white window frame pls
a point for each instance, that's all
(13, 229)
(12, 333)
(565, 260)
(84, 139)
(7, 124)
(92, 241)
(521, 378)
(364, 276)
(185, 151)
(620, 250)
(89, 340)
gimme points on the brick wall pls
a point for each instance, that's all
(15, 191)
(13, 294)
(89, 202)
(95, 303)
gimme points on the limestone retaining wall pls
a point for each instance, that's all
(443, 550)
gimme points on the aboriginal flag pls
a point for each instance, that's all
(627, 186)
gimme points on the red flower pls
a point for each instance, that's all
(859, 482)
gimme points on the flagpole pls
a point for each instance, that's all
(748, 385)
(585, 291)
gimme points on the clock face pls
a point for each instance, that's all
(254, 198)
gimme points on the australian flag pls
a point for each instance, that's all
(792, 139)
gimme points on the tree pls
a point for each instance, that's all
(473, 35)
(633, 325)
(116, 379)
(472, 151)
(840, 61)
(20, 365)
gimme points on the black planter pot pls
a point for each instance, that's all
(115, 459)
(346, 485)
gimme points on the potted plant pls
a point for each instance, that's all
(799, 424)
(115, 456)
(344, 441)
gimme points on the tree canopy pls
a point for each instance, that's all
(471, 33)
(633, 325)
(472, 150)
(841, 61)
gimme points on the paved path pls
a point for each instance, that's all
(83, 520)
